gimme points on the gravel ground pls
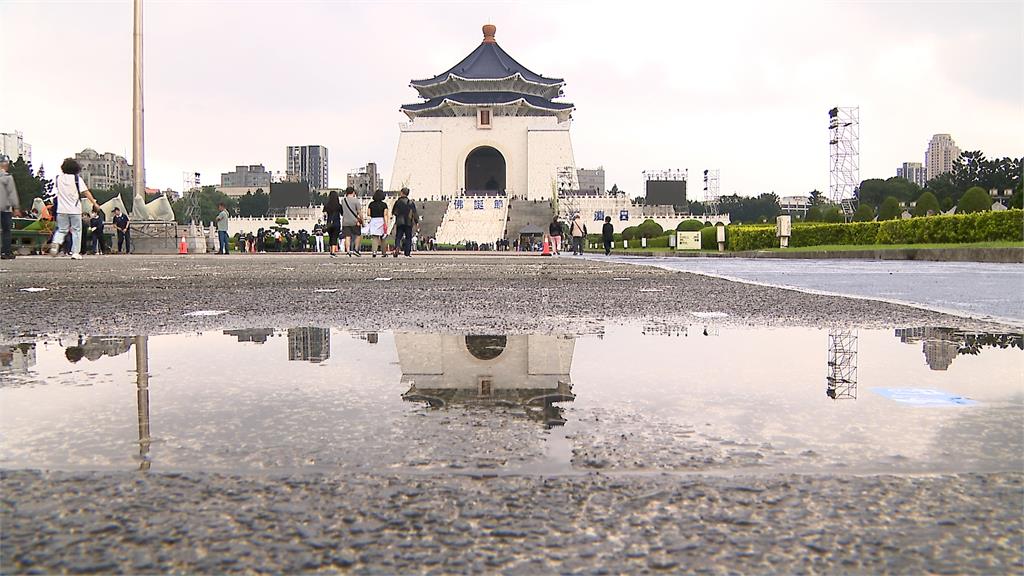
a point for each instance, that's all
(518, 525)
(693, 520)
(147, 295)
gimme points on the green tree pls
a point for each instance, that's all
(649, 229)
(209, 197)
(1017, 200)
(926, 202)
(254, 205)
(834, 215)
(864, 213)
(816, 198)
(814, 214)
(29, 185)
(890, 209)
(690, 225)
(629, 233)
(975, 199)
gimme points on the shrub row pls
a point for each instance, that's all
(1006, 225)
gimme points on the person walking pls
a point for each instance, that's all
(608, 235)
(124, 234)
(405, 219)
(378, 209)
(352, 221)
(10, 206)
(555, 232)
(578, 231)
(222, 228)
(96, 225)
(70, 187)
(332, 215)
(318, 237)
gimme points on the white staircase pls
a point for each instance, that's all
(478, 219)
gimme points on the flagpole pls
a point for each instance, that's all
(138, 151)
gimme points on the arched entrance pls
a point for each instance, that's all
(485, 170)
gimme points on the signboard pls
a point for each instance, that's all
(687, 240)
(623, 215)
(478, 204)
(599, 216)
(459, 204)
(498, 204)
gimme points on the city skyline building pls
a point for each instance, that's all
(308, 164)
(253, 175)
(106, 170)
(939, 157)
(365, 179)
(913, 172)
(591, 180)
(13, 145)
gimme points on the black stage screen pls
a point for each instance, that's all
(285, 194)
(666, 192)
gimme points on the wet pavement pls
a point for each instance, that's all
(988, 291)
(453, 415)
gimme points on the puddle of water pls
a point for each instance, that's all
(632, 399)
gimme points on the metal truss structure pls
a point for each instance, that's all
(842, 364)
(711, 192)
(568, 201)
(844, 157)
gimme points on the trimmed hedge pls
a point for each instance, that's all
(1005, 226)
(740, 238)
(690, 226)
(708, 238)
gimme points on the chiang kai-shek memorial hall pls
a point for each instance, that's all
(487, 126)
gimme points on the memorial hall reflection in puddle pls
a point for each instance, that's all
(527, 371)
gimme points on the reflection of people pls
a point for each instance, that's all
(9, 207)
(70, 187)
(124, 233)
(607, 235)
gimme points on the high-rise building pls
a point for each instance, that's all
(246, 176)
(913, 172)
(591, 180)
(942, 152)
(307, 164)
(104, 171)
(12, 145)
(365, 180)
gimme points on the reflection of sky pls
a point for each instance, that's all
(218, 404)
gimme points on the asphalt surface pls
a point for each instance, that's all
(147, 295)
(678, 517)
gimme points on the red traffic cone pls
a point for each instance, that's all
(183, 246)
(547, 247)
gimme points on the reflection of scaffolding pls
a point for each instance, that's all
(568, 199)
(844, 157)
(842, 364)
(711, 193)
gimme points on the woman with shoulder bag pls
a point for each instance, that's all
(332, 215)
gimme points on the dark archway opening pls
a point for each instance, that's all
(485, 170)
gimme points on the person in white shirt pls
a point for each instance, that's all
(69, 188)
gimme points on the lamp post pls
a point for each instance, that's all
(138, 152)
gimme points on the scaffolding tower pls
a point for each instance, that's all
(190, 192)
(711, 193)
(842, 364)
(568, 200)
(844, 158)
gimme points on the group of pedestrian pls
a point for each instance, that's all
(345, 223)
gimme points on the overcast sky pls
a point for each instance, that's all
(740, 86)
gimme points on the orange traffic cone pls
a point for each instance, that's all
(547, 247)
(183, 246)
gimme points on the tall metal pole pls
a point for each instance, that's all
(138, 152)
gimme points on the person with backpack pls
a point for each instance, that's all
(352, 221)
(405, 219)
(578, 231)
(70, 187)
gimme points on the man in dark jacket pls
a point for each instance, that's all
(607, 234)
(406, 219)
(124, 233)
